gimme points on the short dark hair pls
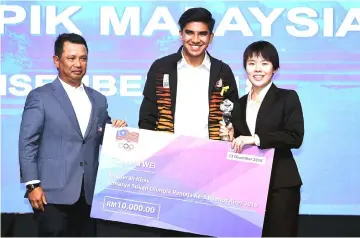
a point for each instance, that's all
(68, 37)
(265, 49)
(197, 14)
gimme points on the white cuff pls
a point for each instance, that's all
(257, 140)
(32, 182)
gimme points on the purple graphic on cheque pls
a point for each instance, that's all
(182, 183)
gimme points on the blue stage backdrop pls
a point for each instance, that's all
(318, 42)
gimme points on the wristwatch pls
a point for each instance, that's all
(31, 187)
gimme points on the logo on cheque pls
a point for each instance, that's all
(127, 139)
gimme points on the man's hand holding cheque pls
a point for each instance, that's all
(119, 123)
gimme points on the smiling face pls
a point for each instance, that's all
(196, 38)
(259, 71)
(72, 63)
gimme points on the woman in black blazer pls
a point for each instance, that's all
(271, 117)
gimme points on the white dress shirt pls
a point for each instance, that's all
(252, 110)
(82, 107)
(192, 99)
(81, 104)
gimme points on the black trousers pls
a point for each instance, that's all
(66, 220)
(282, 212)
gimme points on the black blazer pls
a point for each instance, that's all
(157, 109)
(279, 125)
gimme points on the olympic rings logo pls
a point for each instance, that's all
(126, 146)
